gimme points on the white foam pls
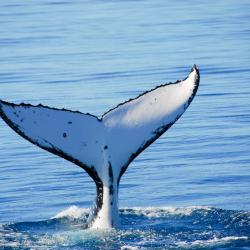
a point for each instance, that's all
(76, 212)
(213, 241)
(73, 212)
(156, 212)
(126, 247)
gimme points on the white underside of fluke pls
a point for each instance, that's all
(104, 147)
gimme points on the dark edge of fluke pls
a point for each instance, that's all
(100, 119)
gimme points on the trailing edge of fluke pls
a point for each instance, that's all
(104, 147)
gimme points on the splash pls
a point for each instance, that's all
(72, 212)
(141, 228)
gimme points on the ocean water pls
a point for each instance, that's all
(191, 188)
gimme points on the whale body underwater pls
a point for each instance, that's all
(104, 147)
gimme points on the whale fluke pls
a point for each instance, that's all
(104, 147)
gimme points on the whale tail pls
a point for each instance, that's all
(104, 147)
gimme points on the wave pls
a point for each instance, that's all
(194, 227)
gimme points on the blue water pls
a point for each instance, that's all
(191, 188)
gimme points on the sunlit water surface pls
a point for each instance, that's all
(191, 188)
